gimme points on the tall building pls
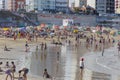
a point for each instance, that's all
(12, 5)
(117, 6)
(40, 5)
(62, 5)
(49, 4)
(105, 6)
(30, 5)
(2, 4)
(19, 4)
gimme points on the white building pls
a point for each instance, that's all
(1, 4)
(8, 5)
(40, 5)
(91, 3)
(30, 5)
(77, 3)
(80, 3)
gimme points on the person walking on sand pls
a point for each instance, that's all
(13, 68)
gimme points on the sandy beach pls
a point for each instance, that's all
(17, 54)
(21, 58)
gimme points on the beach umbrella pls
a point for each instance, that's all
(52, 34)
(29, 28)
(6, 29)
(75, 31)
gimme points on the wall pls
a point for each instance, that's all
(84, 20)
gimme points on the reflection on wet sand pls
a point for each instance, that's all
(64, 68)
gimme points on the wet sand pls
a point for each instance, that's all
(66, 68)
(68, 65)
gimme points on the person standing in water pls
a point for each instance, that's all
(26, 47)
(81, 65)
(45, 47)
(46, 75)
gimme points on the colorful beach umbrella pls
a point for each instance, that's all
(6, 29)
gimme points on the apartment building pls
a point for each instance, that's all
(12, 5)
(19, 4)
(105, 6)
(62, 5)
(40, 5)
